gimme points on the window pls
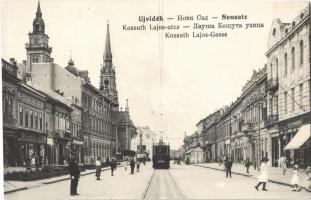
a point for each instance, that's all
(21, 115)
(277, 67)
(293, 98)
(31, 119)
(271, 106)
(285, 64)
(293, 24)
(301, 52)
(276, 104)
(26, 117)
(285, 102)
(271, 70)
(36, 120)
(293, 58)
(40, 122)
(301, 94)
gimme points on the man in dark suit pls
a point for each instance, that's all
(74, 176)
(228, 164)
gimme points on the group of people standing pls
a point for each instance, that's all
(263, 172)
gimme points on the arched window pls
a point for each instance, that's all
(285, 64)
(293, 57)
(301, 52)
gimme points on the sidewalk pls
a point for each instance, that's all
(275, 174)
(14, 186)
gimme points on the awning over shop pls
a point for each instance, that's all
(300, 138)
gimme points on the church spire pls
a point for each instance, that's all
(38, 23)
(107, 53)
(38, 13)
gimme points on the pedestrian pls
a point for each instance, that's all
(112, 166)
(137, 165)
(308, 178)
(125, 165)
(283, 162)
(295, 179)
(74, 176)
(33, 161)
(132, 165)
(98, 168)
(247, 164)
(228, 165)
(263, 177)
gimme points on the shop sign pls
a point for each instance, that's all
(292, 124)
(77, 142)
(32, 138)
(50, 141)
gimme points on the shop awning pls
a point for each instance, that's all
(300, 138)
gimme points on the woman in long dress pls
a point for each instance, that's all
(295, 179)
(263, 177)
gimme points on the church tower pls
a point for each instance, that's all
(38, 50)
(107, 84)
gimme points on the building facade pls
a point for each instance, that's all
(288, 59)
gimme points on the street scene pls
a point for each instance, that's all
(179, 182)
(207, 100)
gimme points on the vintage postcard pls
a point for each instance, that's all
(157, 99)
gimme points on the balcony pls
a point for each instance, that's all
(248, 127)
(272, 84)
(272, 119)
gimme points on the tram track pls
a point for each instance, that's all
(162, 186)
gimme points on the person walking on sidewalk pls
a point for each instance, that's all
(263, 177)
(228, 165)
(247, 164)
(295, 179)
(98, 168)
(283, 162)
(125, 165)
(74, 172)
(137, 165)
(132, 165)
(112, 166)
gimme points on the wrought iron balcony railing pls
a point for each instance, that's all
(272, 84)
(248, 127)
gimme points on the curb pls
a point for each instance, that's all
(49, 182)
(16, 190)
(223, 170)
(251, 176)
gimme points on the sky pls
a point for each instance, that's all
(198, 75)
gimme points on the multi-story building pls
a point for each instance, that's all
(9, 116)
(288, 59)
(254, 116)
(126, 130)
(237, 141)
(209, 136)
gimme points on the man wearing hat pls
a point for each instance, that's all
(263, 177)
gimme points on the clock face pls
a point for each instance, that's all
(106, 82)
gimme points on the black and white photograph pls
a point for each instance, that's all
(157, 99)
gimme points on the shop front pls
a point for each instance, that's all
(10, 150)
(77, 150)
(295, 141)
(31, 147)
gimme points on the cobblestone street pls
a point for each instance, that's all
(176, 183)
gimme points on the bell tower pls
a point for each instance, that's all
(38, 50)
(107, 84)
